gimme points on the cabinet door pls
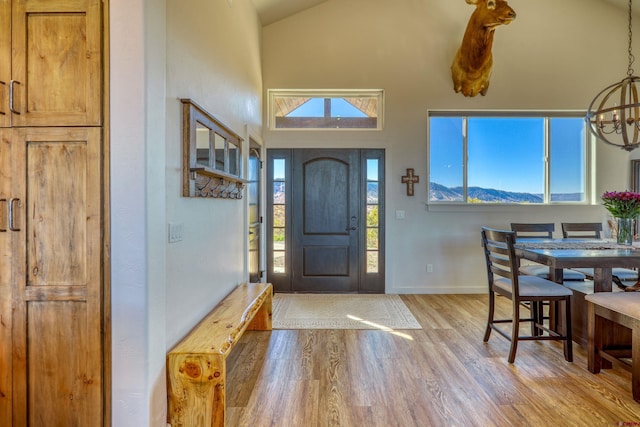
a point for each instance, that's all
(57, 335)
(5, 282)
(5, 61)
(56, 65)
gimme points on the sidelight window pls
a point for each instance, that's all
(279, 216)
(373, 221)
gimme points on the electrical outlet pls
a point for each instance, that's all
(429, 268)
(399, 214)
(175, 232)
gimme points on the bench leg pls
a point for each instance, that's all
(262, 319)
(196, 390)
(594, 339)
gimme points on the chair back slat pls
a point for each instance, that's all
(533, 230)
(500, 256)
(582, 230)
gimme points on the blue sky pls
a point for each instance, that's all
(508, 153)
(315, 108)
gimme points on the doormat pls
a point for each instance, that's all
(341, 311)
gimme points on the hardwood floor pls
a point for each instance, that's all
(442, 375)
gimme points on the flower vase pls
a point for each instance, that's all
(625, 231)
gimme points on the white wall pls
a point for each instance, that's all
(129, 301)
(161, 51)
(213, 57)
(555, 55)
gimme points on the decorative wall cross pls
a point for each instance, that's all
(410, 179)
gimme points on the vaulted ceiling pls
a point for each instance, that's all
(271, 11)
(274, 10)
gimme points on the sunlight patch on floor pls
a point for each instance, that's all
(381, 327)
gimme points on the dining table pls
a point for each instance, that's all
(600, 254)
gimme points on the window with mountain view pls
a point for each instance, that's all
(325, 109)
(514, 159)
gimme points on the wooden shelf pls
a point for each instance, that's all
(216, 184)
(218, 174)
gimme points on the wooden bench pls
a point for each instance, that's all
(196, 366)
(613, 324)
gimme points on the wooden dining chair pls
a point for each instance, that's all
(504, 279)
(593, 230)
(545, 230)
(581, 230)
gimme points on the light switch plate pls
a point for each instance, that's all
(175, 232)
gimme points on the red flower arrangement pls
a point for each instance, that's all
(622, 204)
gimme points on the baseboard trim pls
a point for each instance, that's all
(439, 290)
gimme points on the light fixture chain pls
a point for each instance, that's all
(631, 57)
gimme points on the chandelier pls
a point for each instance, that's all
(614, 114)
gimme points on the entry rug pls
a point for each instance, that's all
(341, 311)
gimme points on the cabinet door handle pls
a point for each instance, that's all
(12, 202)
(2, 104)
(11, 96)
(3, 227)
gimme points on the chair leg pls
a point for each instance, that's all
(537, 314)
(514, 333)
(568, 343)
(487, 332)
(554, 315)
(541, 306)
(533, 308)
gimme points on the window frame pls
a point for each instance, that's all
(589, 156)
(324, 93)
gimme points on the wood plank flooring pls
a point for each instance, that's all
(442, 375)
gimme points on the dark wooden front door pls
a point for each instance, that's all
(326, 220)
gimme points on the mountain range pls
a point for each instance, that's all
(441, 193)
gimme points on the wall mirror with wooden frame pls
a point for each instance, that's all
(211, 156)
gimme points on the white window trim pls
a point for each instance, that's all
(462, 206)
(324, 93)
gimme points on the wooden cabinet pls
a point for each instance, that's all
(56, 208)
(5, 282)
(52, 240)
(5, 62)
(51, 62)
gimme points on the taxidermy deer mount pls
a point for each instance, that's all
(471, 68)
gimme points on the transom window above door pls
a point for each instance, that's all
(326, 109)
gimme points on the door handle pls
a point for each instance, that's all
(11, 96)
(354, 224)
(3, 227)
(4, 84)
(12, 202)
